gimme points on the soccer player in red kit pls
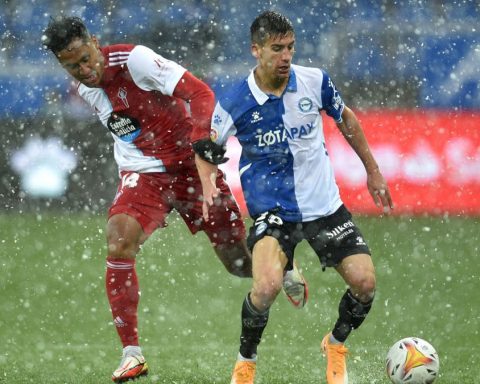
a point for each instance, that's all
(157, 113)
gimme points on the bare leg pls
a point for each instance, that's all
(268, 264)
(124, 237)
(359, 273)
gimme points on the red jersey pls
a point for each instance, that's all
(142, 100)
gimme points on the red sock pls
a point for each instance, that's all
(123, 295)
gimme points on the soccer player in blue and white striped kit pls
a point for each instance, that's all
(289, 186)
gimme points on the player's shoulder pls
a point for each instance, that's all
(230, 89)
(142, 50)
(308, 74)
(233, 95)
(116, 54)
(141, 54)
(117, 51)
(301, 69)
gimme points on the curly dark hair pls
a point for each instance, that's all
(270, 24)
(61, 31)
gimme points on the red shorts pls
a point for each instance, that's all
(150, 197)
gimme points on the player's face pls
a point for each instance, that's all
(84, 61)
(275, 56)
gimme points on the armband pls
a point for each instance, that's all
(210, 151)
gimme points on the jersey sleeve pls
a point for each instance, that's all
(222, 125)
(201, 100)
(152, 72)
(332, 102)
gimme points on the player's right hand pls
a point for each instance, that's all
(378, 188)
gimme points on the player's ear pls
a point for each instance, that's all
(95, 41)
(255, 49)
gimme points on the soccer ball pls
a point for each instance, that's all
(413, 361)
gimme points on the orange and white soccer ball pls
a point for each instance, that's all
(412, 361)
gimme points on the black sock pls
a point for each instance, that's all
(352, 313)
(253, 324)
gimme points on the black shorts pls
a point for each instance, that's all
(332, 237)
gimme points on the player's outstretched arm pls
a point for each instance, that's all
(376, 183)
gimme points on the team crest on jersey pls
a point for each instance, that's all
(305, 104)
(122, 94)
(125, 127)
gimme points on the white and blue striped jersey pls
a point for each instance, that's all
(284, 163)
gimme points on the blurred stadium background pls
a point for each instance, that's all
(410, 69)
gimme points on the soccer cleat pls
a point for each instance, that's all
(131, 368)
(336, 366)
(244, 372)
(295, 287)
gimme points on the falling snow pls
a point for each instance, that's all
(389, 59)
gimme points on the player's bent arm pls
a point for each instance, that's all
(353, 133)
(202, 102)
(152, 72)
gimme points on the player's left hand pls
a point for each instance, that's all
(210, 193)
(208, 177)
(378, 188)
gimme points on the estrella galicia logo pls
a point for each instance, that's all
(305, 104)
(125, 127)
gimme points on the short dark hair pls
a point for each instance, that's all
(270, 24)
(61, 31)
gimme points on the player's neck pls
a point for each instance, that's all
(270, 85)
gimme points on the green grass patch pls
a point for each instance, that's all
(55, 326)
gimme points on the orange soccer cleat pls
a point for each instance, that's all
(244, 372)
(336, 366)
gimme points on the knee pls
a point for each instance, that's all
(363, 287)
(124, 236)
(270, 290)
(267, 288)
(122, 249)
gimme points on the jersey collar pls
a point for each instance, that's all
(260, 96)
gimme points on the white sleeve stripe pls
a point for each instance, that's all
(116, 58)
(115, 63)
(119, 53)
